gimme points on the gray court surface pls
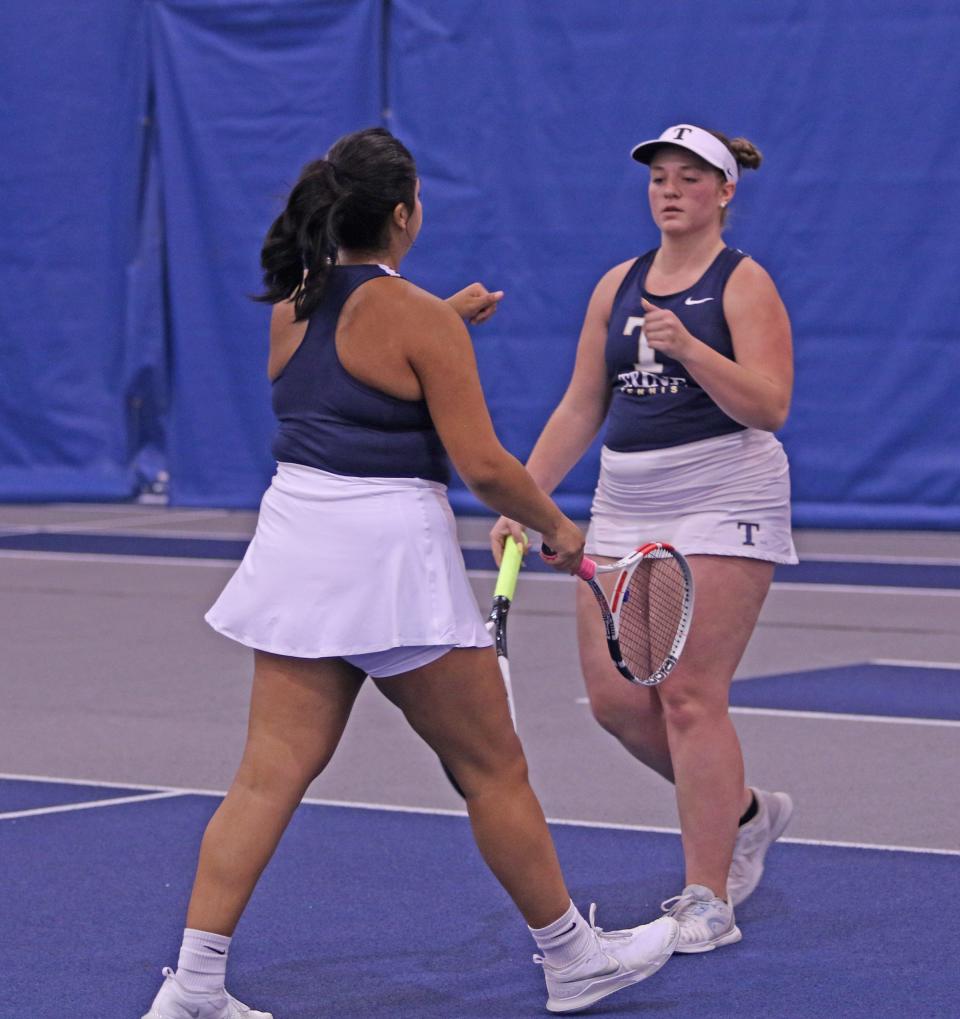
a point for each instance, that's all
(109, 674)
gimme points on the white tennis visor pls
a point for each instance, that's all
(701, 142)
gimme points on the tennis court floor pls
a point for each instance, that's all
(123, 715)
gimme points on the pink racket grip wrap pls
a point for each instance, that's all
(587, 569)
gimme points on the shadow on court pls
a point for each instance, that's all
(369, 914)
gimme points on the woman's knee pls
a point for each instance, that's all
(617, 706)
(482, 769)
(507, 758)
(686, 708)
(269, 770)
(511, 765)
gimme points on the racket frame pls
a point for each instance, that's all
(610, 610)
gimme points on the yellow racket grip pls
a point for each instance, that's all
(509, 570)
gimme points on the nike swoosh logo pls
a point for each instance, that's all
(702, 300)
(616, 968)
(613, 974)
(219, 951)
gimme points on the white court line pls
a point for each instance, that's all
(66, 808)
(908, 663)
(791, 585)
(148, 560)
(175, 535)
(869, 845)
(116, 521)
(132, 560)
(96, 782)
(835, 716)
(790, 841)
(831, 716)
(170, 791)
(865, 557)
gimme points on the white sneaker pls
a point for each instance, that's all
(774, 811)
(706, 922)
(172, 1002)
(621, 958)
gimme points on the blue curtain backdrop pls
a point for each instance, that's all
(148, 144)
(74, 379)
(246, 94)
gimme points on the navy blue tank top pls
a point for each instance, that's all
(333, 421)
(655, 403)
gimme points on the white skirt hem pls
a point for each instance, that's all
(450, 640)
(691, 550)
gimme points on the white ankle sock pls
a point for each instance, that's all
(566, 940)
(202, 965)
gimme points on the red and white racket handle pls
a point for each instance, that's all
(587, 569)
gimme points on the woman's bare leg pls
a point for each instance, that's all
(458, 705)
(682, 729)
(298, 711)
(704, 746)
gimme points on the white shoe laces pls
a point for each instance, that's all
(606, 935)
(694, 916)
(680, 904)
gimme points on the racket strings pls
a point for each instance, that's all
(651, 614)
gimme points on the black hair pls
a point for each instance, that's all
(344, 200)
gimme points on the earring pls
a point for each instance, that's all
(723, 205)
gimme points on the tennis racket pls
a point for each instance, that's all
(497, 625)
(648, 617)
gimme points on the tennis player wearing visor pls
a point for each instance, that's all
(685, 360)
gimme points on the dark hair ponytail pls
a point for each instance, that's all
(343, 201)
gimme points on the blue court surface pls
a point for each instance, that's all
(892, 691)
(382, 913)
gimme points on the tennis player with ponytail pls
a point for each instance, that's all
(685, 352)
(355, 570)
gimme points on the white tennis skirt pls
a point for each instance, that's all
(728, 495)
(343, 566)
